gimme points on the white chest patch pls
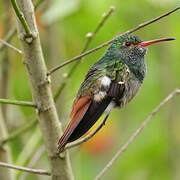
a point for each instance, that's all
(105, 81)
(99, 96)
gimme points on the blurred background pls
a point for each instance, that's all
(63, 26)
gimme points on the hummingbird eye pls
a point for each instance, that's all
(127, 44)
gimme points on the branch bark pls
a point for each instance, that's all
(21, 17)
(25, 169)
(17, 102)
(42, 94)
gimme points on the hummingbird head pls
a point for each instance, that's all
(131, 50)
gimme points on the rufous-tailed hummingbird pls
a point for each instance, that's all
(111, 82)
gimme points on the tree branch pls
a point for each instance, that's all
(13, 31)
(18, 132)
(38, 3)
(25, 169)
(5, 153)
(8, 37)
(18, 103)
(21, 18)
(29, 149)
(140, 26)
(5, 174)
(89, 136)
(10, 46)
(137, 132)
(50, 125)
(90, 37)
(35, 158)
(78, 57)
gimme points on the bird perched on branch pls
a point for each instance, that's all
(111, 82)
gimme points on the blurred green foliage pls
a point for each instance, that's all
(155, 155)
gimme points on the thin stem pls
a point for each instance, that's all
(28, 150)
(8, 37)
(5, 153)
(137, 132)
(78, 57)
(140, 26)
(25, 169)
(37, 156)
(21, 17)
(34, 160)
(10, 46)
(89, 136)
(19, 131)
(38, 3)
(90, 37)
(16, 102)
(13, 31)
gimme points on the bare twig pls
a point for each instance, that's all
(19, 131)
(89, 136)
(140, 26)
(21, 17)
(38, 3)
(28, 150)
(78, 57)
(17, 102)
(137, 132)
(36, 156)
(8, 37)
(10, 46)
(25, 169)
(5, 154)
(90, 37)
(13, 31)
(34, 160)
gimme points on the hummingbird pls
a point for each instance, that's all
(111, 82)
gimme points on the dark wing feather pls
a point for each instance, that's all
(116, 90)
(93, 113)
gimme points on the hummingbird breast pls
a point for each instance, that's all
(132, 86)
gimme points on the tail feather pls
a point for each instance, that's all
(93, 113)
(82, 121)
(76, 115)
